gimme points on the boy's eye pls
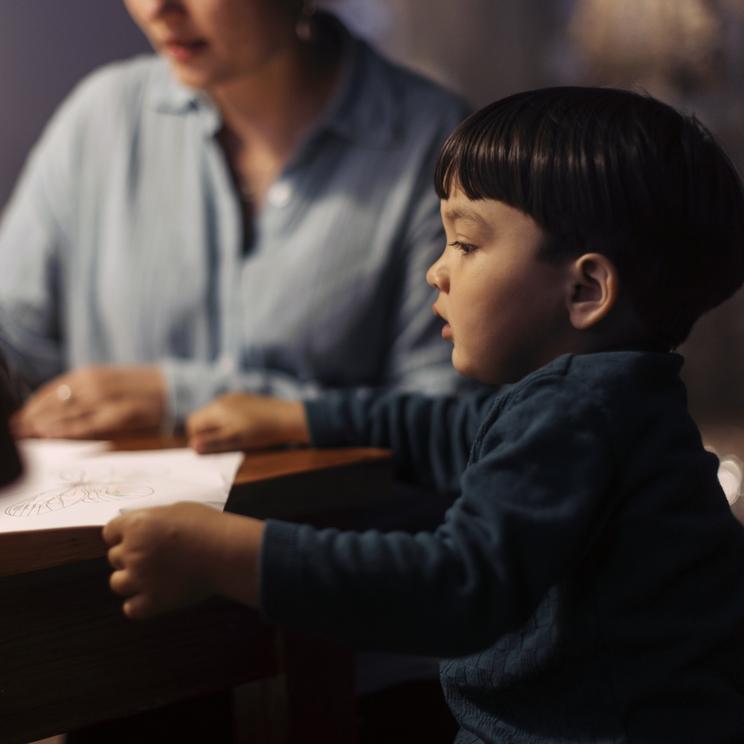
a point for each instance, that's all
(464, 247)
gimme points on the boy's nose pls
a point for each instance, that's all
(436, 276)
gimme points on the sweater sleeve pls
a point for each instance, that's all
(530, 505)
(430, 437)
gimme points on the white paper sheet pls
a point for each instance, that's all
(73, 484)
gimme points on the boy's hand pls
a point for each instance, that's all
(170, 556)
(240, 421)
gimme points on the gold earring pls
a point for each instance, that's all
(305, 28)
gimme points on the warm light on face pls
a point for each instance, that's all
(502, 304)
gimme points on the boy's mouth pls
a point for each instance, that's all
(446, 328)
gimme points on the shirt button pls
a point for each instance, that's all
(279, 194)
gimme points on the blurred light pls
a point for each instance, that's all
(730, 476)
(636, 40)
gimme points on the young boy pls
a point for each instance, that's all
(588, 584)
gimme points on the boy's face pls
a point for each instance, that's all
(504, 305)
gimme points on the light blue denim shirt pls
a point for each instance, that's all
(123, 242)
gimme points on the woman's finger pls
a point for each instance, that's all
(53, 399)
(64, 424)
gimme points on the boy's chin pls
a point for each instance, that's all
(503, 375)
(473, 372)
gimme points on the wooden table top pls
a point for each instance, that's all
(33, 550)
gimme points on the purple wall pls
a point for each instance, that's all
(46, 46)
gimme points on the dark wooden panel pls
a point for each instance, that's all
(341, 496)
(69, 658)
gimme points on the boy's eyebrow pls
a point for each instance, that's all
(458, 213)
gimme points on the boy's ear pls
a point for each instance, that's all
(593, 290)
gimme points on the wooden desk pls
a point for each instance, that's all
(69, 658)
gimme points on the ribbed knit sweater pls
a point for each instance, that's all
(586, 586)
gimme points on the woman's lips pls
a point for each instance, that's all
(184, 51)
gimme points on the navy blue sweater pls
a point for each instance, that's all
(586, 586)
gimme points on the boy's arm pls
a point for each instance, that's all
(528, 510)
(530, 506)
(430, 437)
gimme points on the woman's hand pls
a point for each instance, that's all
(240, 421)
(167, 557)
(94, 402)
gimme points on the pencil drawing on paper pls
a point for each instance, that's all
(77, 486)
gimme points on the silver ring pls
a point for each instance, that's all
(64, 393)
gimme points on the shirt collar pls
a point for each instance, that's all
(168, 96)
(363, 109)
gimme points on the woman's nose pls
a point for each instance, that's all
(156, 8)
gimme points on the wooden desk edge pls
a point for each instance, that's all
(27, 551)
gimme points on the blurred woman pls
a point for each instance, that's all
(250, 209)
(209, 219)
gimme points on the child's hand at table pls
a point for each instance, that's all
(244, 421)
(170, 556)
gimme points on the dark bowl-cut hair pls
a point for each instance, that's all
(618, 173)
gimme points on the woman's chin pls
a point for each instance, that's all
(190, 76)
